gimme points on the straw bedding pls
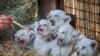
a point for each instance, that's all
(7, 49)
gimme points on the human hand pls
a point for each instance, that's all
(5, 22)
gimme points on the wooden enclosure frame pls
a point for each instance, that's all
(46, 5)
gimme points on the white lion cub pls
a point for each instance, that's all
(24, 38)
(43, 34)
(83, 45)
(86, 47)
(58, 18)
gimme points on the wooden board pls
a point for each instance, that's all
(46, 5)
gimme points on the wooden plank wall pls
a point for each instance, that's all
(46, 5)
(88, 16)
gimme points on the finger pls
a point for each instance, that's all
(5, 22)
(4, 26)
(10, 18)
(1, 21)
(6, 18)
(1, 26)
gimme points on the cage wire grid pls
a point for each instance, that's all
(87, 16)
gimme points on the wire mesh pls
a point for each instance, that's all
(88, 16)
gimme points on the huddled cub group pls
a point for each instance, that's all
(54, 36)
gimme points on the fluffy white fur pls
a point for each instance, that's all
(42, 31)
(83, 45)
(42, 27)
(33, 25)
(24, 38)
(58, 18)
(86, 47)
(62, 45)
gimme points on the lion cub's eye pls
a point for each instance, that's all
(31, 36)
(45, 25)
(63, 32)
(83, 47)
(56, 15)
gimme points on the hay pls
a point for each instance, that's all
(7, 49)
(23, 11)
